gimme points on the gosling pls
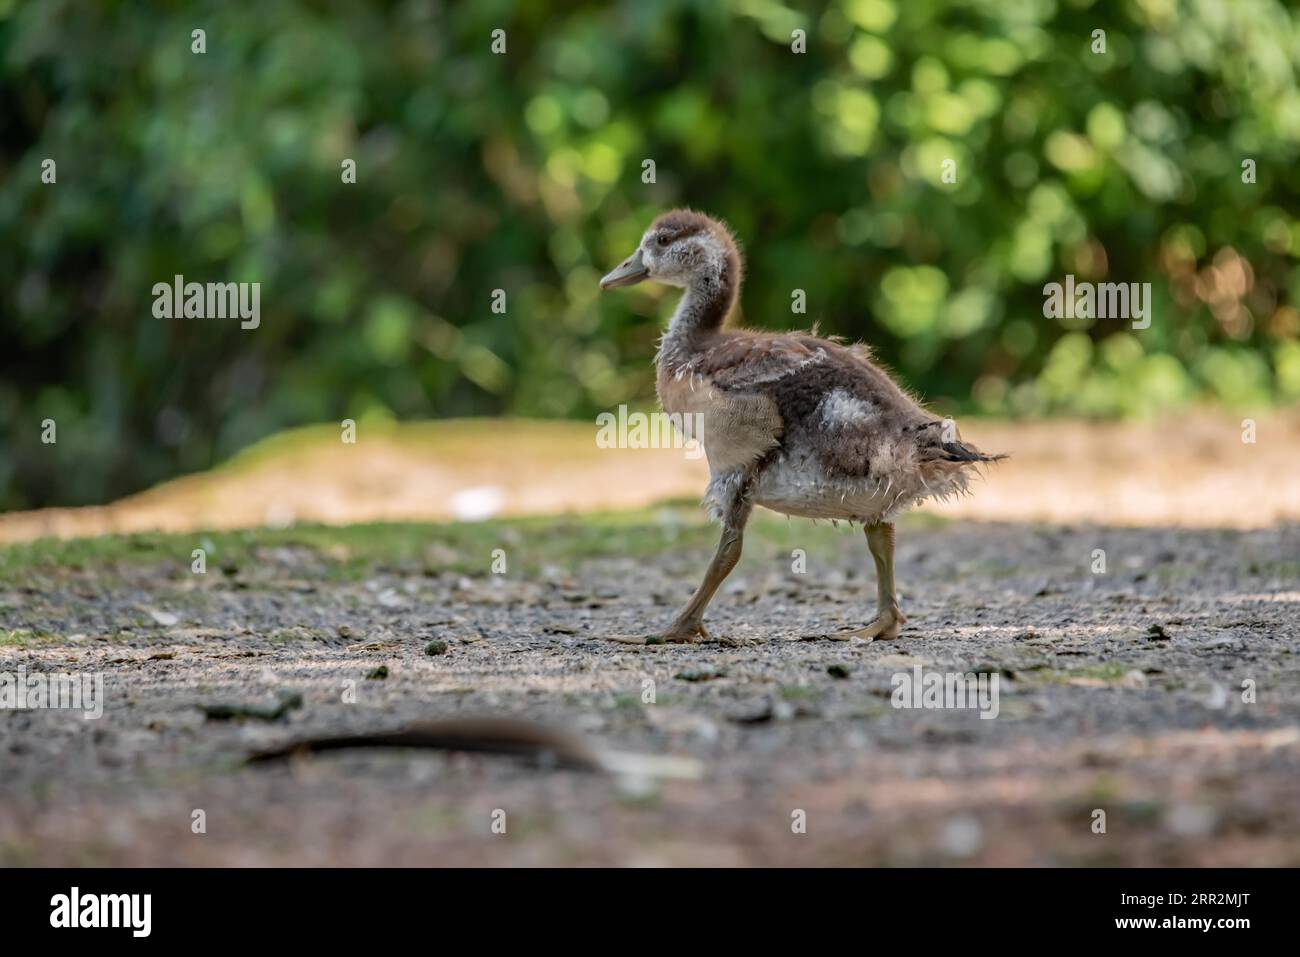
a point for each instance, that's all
(799, 424)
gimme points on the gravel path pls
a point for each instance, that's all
(1119, 692)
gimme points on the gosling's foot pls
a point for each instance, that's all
(886, 627)
(682, 633)
(678, 633)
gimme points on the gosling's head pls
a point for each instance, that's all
(681, 248)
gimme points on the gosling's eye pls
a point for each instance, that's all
(663, 239)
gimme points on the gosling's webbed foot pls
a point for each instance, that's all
(886, 627)
(684, 633)
(678, 633)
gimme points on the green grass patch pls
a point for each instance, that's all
(353, 552)
(26, 638)
(1286, 569)
(1111, 671)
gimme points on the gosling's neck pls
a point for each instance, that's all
(702, 310)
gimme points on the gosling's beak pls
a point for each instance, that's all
(629, 273)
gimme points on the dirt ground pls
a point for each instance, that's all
(1126, 691)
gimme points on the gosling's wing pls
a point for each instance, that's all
(832, 401)
(731, 384)
(752, 363)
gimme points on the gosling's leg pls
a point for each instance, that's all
(688, 626)
(889, 617)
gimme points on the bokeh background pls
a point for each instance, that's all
(522, 172)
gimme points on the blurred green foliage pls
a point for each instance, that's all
(522, 172)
